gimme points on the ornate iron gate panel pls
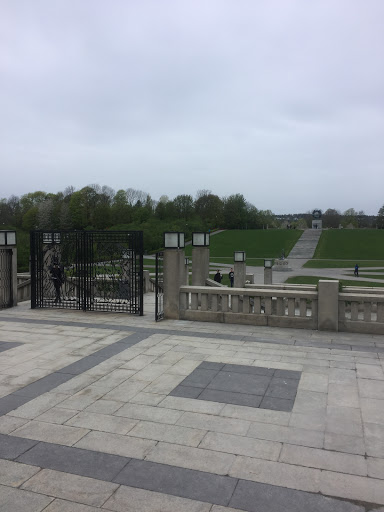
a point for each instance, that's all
(6, 291)
(159, 290)
(88, 270)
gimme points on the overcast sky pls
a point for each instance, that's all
(279, 100)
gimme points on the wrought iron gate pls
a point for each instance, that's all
(6, 290)
(159, 290)
(88, 270)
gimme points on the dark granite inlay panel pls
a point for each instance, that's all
(77, 461)
(186, 483)
(172, 480)
(7, 345)
(10, 402)
(11, 447)
(43, 385)
(251, 386)
(226, 397)
(255, 497)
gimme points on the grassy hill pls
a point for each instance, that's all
(257, 243)
(359, 244)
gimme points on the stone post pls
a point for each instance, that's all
(267, 275)
(200, 265)
(174, 277)
(240, 271)
(328, 305)
(9, 281)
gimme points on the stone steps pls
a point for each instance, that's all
(306, 245)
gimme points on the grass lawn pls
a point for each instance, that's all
(370, 276)
(344, 282)
(253, 262)
(360, 244)
(343, 264)
(257, 243)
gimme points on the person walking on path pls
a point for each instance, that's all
(231, 276)
(218, 277)
(356, 270)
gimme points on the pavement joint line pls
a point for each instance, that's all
(166, 479)
(37, 388)
(175, 332)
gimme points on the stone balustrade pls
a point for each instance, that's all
(362, 311)
(255, 306)
(292, 306)
(23, 287)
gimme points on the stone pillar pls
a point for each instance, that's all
(328, 305)
(174, 277)
(11, 286)
(240, 270)
(267, 275)
(200, 265)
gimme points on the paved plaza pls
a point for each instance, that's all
(119, 413)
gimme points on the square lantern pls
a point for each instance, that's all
(268, 263)
(239, 256)
(7, 237)
(200, 239)
(174, 240)
(50, 237)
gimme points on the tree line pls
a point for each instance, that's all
(100, 207)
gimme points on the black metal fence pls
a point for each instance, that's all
(6, 290)
(88, 270)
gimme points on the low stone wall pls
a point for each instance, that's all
(291, 306)
(275, 308)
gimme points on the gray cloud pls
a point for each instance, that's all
(281, 101)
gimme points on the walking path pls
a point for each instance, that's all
(112, 412)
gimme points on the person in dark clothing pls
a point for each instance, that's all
(356, 270)
(218, 277)
(231, 276)
(57, 279)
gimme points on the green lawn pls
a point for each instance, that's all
(344, 282)
(343, 263)
(254, 262)
(257, 243)
(359, 244)
(370, 276)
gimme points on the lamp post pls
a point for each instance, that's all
(174, 271)
(200, 258)
(8, 268)
(239, 269)
(268, 264)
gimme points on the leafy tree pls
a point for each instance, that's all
(235, 212)
(331, 218)
(209, 208)
(380, 218)
(184, 206)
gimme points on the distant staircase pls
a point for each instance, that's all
(306, 245)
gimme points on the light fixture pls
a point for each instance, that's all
(51, 237)
(7, 237)
(174, 240)
(268, 263)
(239, 256)
(200, 239)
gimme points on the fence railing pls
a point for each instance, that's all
(362, 311)
(256, 306)
(295, 306)
(23, 287)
